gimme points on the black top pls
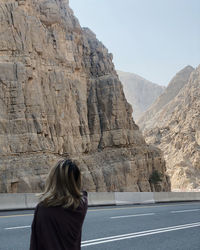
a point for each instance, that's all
(58, 228)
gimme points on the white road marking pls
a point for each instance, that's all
(137, 234)
(132, 215)
(10, 228)
(184, 211)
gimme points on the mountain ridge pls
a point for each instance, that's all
(150, 117)
(177, 134)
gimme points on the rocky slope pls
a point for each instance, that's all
(156, 113)
(60, 96)
(179, 136)
(139, 92)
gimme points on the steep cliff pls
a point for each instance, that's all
(179, 136)
(139, 92)
(60, 96)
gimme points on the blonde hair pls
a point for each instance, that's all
(62, 187)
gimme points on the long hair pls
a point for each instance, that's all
(62, 187)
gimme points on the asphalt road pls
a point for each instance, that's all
(143, 227)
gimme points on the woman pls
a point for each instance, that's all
(58, 218)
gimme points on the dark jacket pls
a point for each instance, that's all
(58, 228)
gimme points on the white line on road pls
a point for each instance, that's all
(15, 215)
(184, 211)
(137, 234)
(10, 228)
(132, 215)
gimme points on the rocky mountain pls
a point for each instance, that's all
(156, 114)
(60, 97)
(140, 93)
(177, 134)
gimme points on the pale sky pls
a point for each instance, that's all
(152, 38)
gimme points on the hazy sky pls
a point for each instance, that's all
(152, 38)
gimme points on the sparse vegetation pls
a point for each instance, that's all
(155, 177)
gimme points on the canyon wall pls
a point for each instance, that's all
(60, 97)
(176, 130)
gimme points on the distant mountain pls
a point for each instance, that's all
(155, 115)
(176, 130)
(139, 92)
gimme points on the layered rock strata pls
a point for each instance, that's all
(178, 135)
(61, 97)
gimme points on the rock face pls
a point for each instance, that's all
(179, 135)
(139, 92)
(60, 96)
(156, 114)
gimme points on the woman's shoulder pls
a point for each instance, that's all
(42, 208)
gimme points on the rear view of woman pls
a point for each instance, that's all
(58, 218)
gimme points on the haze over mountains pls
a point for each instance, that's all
(173, 124)
(140, 93)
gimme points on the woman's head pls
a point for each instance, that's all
(63, 185)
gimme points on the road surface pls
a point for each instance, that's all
(174, 226)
